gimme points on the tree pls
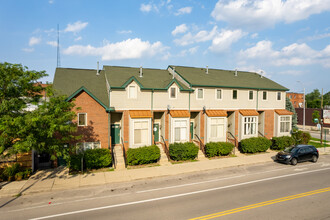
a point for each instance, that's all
(313, 99)
(316, 115)
(289, 106)
(45, 129)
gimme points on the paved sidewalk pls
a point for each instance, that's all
(59, 178)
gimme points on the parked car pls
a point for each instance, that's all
(298, 153)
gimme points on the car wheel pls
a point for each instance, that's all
(314, 159)
(294, 161)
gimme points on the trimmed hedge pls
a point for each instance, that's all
(301, 137)
(93, 159)
(143, 155)
(255, 144)
(213, 149)
(97, 158)
(280, 143)
(183, 151)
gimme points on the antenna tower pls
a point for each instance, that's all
(58, 47)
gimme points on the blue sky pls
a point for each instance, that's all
(284, 40)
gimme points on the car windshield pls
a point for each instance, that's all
(290, 149)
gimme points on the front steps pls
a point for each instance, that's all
(119, 157)
(163, 158)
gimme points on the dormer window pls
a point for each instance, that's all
(173, 93)
(132, 92)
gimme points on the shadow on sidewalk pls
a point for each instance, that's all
(39, 176)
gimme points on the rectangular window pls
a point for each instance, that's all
(218, 94)
(250, 125)
(180, 130)
(264, 95)
(284, 124)
(250, 95)
(200, 93)
(173, 93)
(87, 145)
(132, 92)
(217, 127)
(278, 96)
(82, 119)
(234, 94)
(141, 132)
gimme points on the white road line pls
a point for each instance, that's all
(178, 195)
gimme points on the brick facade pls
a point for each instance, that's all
(297, 99)
(269, 123)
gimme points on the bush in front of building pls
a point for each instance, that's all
(143, 155)
(280, 143)
(301, 137)
(183, 151)
(213, 149)
(74, 162)
(97, 158)
(14, 172)
(255, 145)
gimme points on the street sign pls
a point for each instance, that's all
(326, 116)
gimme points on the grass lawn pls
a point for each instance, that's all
(318, 144)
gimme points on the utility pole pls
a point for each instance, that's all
(304, 110)
(322, 117)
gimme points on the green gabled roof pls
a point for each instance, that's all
(157, 79)
(197, 77)
(70, 82)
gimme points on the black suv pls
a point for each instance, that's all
(297, 154)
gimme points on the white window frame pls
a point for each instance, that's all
(175, 92)
(148, 132)
(199, 89)
(82, 125)
(216, 94)
(209, 129)
(263, 95)
(283, 119)
(278, 96)
(248, 123)
(134, 95)
(83, 146)
(232, 95)
(186, 138)
(252, 95)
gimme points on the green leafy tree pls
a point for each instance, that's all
(316, 115)
(313, 99)
(289, 106)
(45, 129)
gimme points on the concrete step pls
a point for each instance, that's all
(163, 158)
(119, 158)
(201, 155)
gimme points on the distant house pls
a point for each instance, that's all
(297, 99)
(135, 107)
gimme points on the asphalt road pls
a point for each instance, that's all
(317, 135)
(263, 191)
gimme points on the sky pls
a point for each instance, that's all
(286, 41)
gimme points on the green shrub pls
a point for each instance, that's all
(143, 155)
(19, 176)
(255, 144)
(301, 137)
(27, 173)
(10, 172)
(280, 143)
(183, 151)
(213, 149)
(97, 158)
(75, 162)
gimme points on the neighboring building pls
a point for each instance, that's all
(137, 107)
(297, 99)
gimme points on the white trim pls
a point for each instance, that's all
(197, 89)
(279, 133)
(280, 96)
(262, 96)
(129, 93)
(85, 119)
(249, 95)
(243, 126)
(208, 129)
(148, 138)
(176, 92)
(216, 94)
(173, 120)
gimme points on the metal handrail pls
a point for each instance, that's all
(165, 148)
(261, 134)
(124, 151)
(201, 144)
(235, 140)
(113, 157)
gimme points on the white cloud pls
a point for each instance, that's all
(145, 7)
(180, 29)
(78, 38)
(258, 14)
(189, 51)
(34, 41)
(51, 1)
(223, 41)
(52, 43)
(292, 72)
(319, 36)
(124, 32)
(76, 27)
(128, 49)
(28, 50)
(185, 10)
(200, 36)
(291, 55)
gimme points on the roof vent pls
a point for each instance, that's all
(207, 69)
(261, 74)
(141, 73)
(235, 72)
(97, 70)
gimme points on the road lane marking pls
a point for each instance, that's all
(177, 195)
(261, 204)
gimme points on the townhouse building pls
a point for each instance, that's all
(134, 107)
